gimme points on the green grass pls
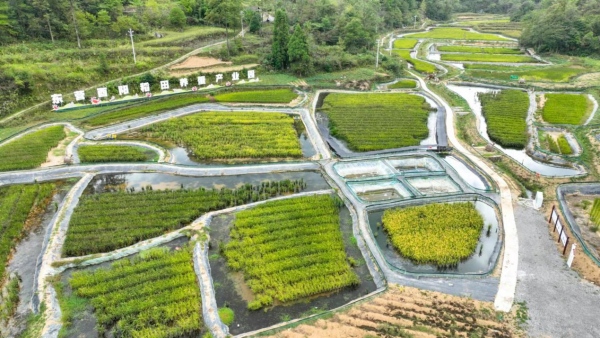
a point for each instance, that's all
(403, 84)
(190, 35)
(505, 113)
(328, 80)
(553, 145)
(368, 122)
(563, 145)
(10, 300)
(290, 249)
(455, 34)
(283, 96)
(507, 58)
(476, 49)
(109, 221)
(115, 153)
(419, 65)
(227, 315)
(31, 150)
(595, 212)
(405, 43)
(440, 234)
(554, 74)
(230, 136)
(566, 109)
(152, 295)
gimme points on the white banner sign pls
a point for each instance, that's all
(251, 74)
(123, 90)
(102, 92)
(57, 98)
(164, 85)
(79, 95)
(183, 82)
(145, 87)
(219, 77)
(201, 80)
(571, 255)
(235, 76)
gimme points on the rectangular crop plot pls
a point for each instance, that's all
(505, 113)
(227, 136)
(473, 57)
(503, 73)
(368, 122)
(154, 295)
(434, 185)
(477, 49)
(455, 34)
(109, 221)
(405, 43)
(380, 191)
(114, 153)
(31, 150)
(290, 249)
(566, 108)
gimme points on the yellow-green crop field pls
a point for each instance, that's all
(448, 33)
(566, 108)
(505, 113)
(405, 43)
(476, 57)
(420, 66)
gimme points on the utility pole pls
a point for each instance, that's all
(415, 26)
(76, 26)
(132, 47)
(377, 56)
(242, 20)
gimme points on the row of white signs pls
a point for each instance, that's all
(145, 87)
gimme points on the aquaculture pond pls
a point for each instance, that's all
(231, 290)
(521, 156)
(468, 174)
(482, 261)
(113, 182)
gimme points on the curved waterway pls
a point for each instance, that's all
(470, 95)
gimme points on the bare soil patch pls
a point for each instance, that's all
(56, 155)
(199, 62)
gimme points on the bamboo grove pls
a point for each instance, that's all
(505, 113)
(31, 150)
(17, 202)
(369, 122)
(152, 295)
(109, 221)
(440, 234)
(290, 249)
(227, 136)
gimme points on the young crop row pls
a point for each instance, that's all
(402, 84)
(290, 249)
(505, 113)
(595, 212)
(565, 108)
(420, 66)
(495, 72)
(369, 122)
(16, 205)
(173, 102)
(563, 145)
(152, 295)
(440, 234)
(477, 49)
(455, 34)
(31, 150)
(219, 136)
(114, 153)
(110, 221)
(474, 57)
(405, 43)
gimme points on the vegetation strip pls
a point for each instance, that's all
(477, 49)
(505, 58)
(114, 153)
(31, 150)
(505, 113)
(420, 66)
(455, 34)
(405, 43)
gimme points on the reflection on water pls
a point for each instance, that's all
(467, 174)
(470, 95)
(476, 264)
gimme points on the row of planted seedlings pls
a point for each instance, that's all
(113, 299)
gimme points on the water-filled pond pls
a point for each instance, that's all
(481, 261)
(469, 175)
(470, 95)
(371, 192)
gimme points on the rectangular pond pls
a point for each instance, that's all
(380, 191)
(434, 185)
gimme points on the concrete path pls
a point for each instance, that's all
(560, 303)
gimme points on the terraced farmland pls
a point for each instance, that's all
(566, 108)
(420, 66)
(405, 43)
(31, 150)
(109, 221)
(477, 57)
(115, 153)
(369, 122)
(505, 113)
(289, 250)
(449, 33)
(477, 49)
(152, 295)
(283, 96)
(440, 234)
(503, 73)
(230, 136)
(403, 84)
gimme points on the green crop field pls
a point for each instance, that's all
(505, 113)
(420, 66)
(231, 136)
(405, 43)
(110, 221)
(403, 84)
(440, 234)
(476, 49)
(595, 212)
(563, 145)
(157, 106)
(507, 58)
(153, 295)
(369, 122)
(31, 150)
(455, 34)
(290, 249)
(552, 144)
(503, 73)
(115, 153)
(566, 109)
(16, 205)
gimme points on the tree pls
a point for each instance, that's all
(298, 53)
(177, 18)
(355, 37)
(439, 9)
(279, 48)
(225, 13)
(255, 22)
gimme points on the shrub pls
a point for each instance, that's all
(227, 315)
